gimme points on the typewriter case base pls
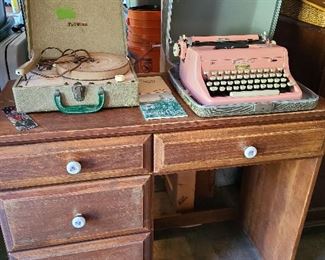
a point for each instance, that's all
(175, 25)
(75, 25)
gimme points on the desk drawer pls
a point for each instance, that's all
(135, 247)
(41, 164)
(71, 213)
(214, 148)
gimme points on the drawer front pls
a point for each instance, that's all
(208, 149)
(71, 213)
(41, 164)
(135, 247)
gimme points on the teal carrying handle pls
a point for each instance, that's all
(80, 109)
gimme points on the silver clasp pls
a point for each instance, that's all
(78, 91)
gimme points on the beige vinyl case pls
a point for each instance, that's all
(93, 25)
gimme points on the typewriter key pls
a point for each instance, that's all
(244, 82)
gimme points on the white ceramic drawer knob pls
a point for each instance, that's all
(250, 152)
(78, 221)
(73, 167)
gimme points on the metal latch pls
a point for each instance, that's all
(263, 107)
(78, 91)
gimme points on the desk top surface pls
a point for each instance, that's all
(56, 126)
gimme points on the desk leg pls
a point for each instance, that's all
(276, 200)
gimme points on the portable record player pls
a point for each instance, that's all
(187, 31)
(78, 58)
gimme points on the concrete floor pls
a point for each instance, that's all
(221, 241)
(226, 241)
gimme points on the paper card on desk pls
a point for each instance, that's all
(21, 121)
(151, 85)
(157, 100)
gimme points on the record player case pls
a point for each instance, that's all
(95, 26)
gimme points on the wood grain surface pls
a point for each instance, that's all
(208, 149)
(42, 217)
(122, 248)
(40, 164)
(128, 121)
(276, 198)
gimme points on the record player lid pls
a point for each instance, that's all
(94, 25)
(217, 17)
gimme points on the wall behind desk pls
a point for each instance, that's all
(305, 43)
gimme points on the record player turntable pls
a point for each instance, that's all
(78, 58)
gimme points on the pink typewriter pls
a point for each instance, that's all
(221, 70)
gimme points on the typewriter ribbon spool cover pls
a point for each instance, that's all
(96, 73)
(224, 18)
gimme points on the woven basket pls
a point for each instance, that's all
(312, 12)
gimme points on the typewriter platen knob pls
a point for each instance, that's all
(250, 152)
(176, 50)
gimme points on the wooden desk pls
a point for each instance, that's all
(120, 152)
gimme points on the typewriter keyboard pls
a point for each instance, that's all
(248, 83)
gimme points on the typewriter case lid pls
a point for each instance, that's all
(216, 17)
(93, 25)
